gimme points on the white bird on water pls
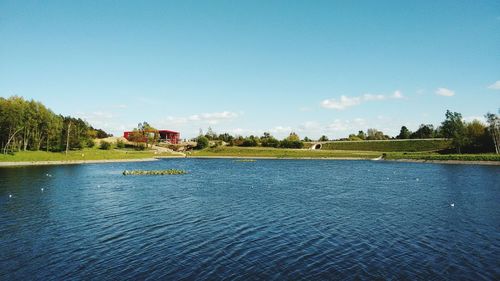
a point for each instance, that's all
(41, 189)
(10, 195)
(48, 175)
(452, 204)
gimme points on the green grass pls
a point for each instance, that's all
(389, 145)
(435, 156)
(84, 154)
(283, 153)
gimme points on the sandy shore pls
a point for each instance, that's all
(280, 158)
(73, 162)
(453, 162)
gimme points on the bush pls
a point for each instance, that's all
(250, 142)
(105, 145)
(140, 147)
(286, 143)
(120, 144)
(201, 142)
(90, 143)
(270, 142)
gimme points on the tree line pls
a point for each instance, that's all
(468, 137)
(30, 125)
(266, 140)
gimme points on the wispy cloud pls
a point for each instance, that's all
(345, 101)
(206, 118)
(495, 86)
(445, 92)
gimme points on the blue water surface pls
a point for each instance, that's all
(269, 219)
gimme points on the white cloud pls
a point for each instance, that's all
(397, 94)
(495, 86)
(208, 118)
(341, 104)
(345, 101)
(445, 92)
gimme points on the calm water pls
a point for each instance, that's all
(270, 219)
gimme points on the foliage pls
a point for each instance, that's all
(389, 145)
(425, 131)
(494, 129)
(90, 143)
(250, 141)
(120, 144)
(374, 134)
(269, 141)
(105, 145)
(404, 133)
(29, 125)
(453, 127)
(148, 133)
(323, 138)
(201, 142)
(283, 153)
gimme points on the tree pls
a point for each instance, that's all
(293, 137)
(362, 135)
(211, 135)
(494, 129)
(201, 142)
(292, 141)
(453, 128)
(477, 137)
(150, 134)
(404, 133)
(267, 140)
(423, 132)
(374, 134)
(323, 138)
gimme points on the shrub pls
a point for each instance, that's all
(120, 144)
(286, 143)
(105, 145)
(140, 147)
(201, 142)
(270, 142)
(90, 143)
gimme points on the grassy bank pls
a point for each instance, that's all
(443, 157)
(389, 145)
(85, 154)
(282, 153)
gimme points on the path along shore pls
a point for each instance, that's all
(73, 162)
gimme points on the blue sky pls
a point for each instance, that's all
(245, 67)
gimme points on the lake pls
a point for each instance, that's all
(269, 219)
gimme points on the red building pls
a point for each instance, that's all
(165, 135)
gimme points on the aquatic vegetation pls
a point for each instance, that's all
(153, 172)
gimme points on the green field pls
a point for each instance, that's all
(389, 145)
(85, 154)
(282, 153)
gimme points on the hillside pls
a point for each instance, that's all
(416, 145)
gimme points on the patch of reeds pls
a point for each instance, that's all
(153, 172)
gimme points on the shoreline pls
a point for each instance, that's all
(71, 162)
(453, 162)
(76, 162)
